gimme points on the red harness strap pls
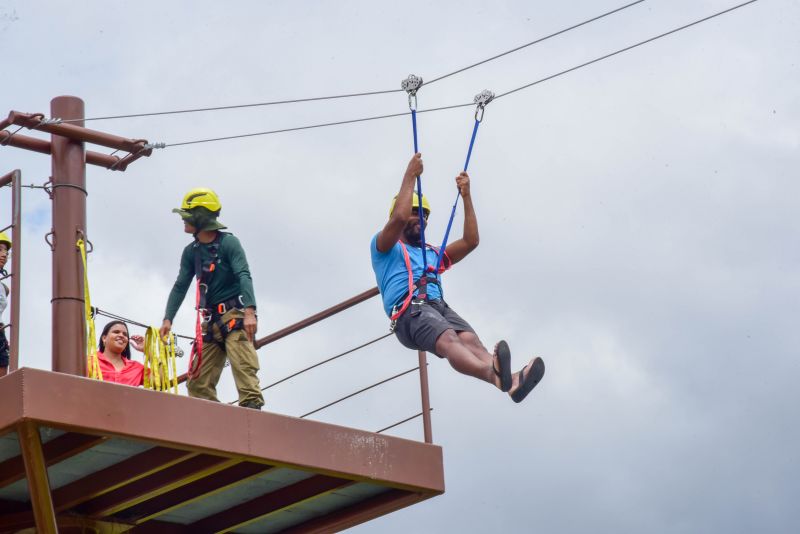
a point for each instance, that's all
(411, 285)
(196, 357)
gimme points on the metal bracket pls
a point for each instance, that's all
(89, 245)
(49, 241)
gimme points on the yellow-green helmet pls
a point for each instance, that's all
(426, 207)
(200, 208)
(201, 197)
(4, 239)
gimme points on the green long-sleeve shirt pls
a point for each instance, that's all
(230, 279)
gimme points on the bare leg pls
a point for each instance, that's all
(463, 360)
(470, 339)
(3, 371)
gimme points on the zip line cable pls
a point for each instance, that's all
(365, 93)
(442, 108)
(537, 41)
(627, 48)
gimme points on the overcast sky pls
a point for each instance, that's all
(638, 222)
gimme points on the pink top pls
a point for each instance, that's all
(130, 375)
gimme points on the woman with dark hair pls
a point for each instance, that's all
(114, 356)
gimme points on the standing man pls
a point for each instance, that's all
(225, 301)
(412, 294)
(5, 248)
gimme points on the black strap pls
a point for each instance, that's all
(224, 328)
(203, 270)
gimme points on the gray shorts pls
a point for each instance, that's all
(424, 321)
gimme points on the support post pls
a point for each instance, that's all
(36, 472)
(69, 221)
(16, 271)
(426, 402)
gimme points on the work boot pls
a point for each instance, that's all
(253, 405)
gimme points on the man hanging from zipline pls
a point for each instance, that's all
(225, 301)
(413, 298)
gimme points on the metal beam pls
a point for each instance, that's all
(55, 450)
(270, 503)
(118, 475)
(44, 147)
(358, 513)
(38, 483)
(324, 314)
(75, 131)
(164, 481)
(201, 489)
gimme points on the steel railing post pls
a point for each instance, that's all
(16, 270)
(426, 402)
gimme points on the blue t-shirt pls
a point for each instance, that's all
(392, 276)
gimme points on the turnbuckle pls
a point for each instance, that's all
(482, 100)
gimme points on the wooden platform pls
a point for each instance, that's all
(122, 459)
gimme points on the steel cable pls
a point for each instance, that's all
(526, 86)
(364, 93)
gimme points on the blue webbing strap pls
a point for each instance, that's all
(458, 195)
(419, 194)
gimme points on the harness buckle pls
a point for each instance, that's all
(221, 308)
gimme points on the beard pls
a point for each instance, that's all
(411, 233)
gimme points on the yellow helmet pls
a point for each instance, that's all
(201, 197)
(5, 239)
(426, 207)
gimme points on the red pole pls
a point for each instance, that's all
(16, 259)
(69, 221)
(426, 402)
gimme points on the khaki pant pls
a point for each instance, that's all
(244, 364)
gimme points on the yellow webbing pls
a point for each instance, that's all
(159, 359)
(92, 363)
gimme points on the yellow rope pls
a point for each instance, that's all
(92, 363)
(157, 359)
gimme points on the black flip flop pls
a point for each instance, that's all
(503, 354)
(527, 381)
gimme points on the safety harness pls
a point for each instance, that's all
(420, 286)
(210, 315)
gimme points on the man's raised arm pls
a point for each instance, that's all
(394, 227)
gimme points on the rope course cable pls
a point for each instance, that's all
(364, 93)
(501, 95)
(345, 353)
(116, 317)
(362, 390)
(406, 420)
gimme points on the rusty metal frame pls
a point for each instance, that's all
(15, 179)
(38, 483)
(136, 148)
